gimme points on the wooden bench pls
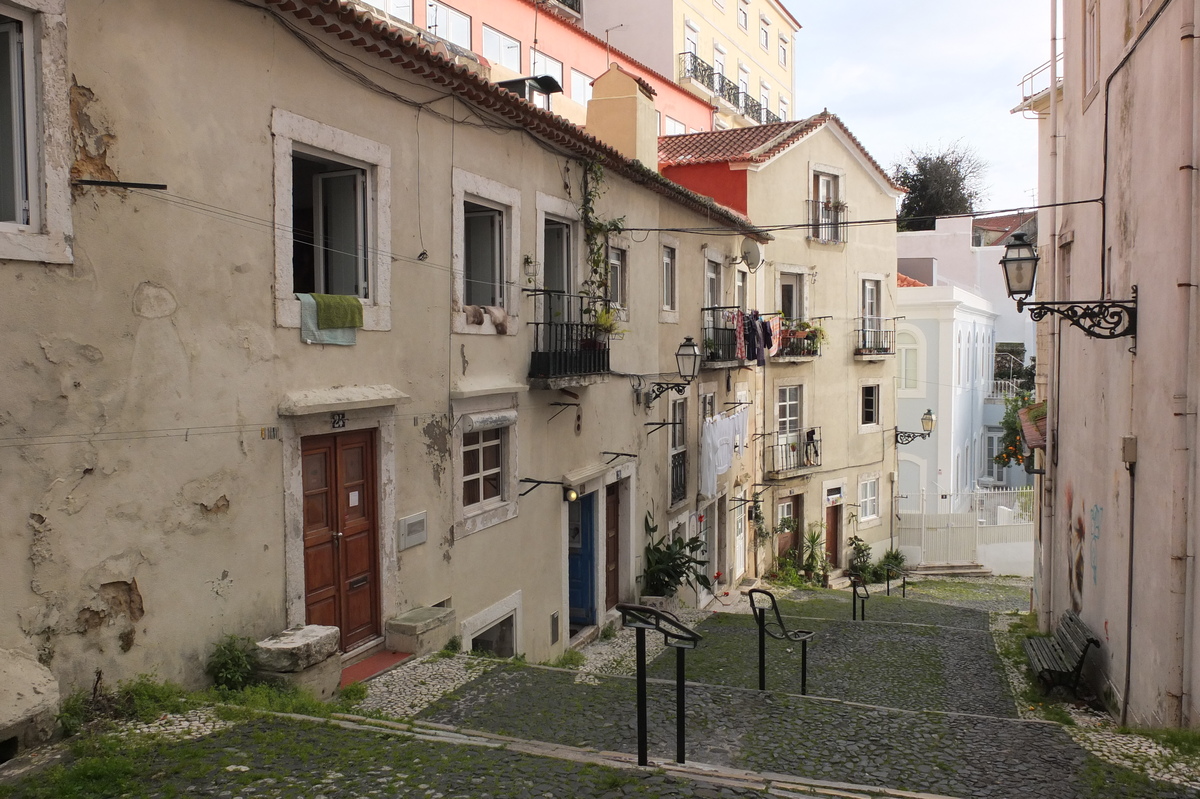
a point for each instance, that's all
(1058, 660)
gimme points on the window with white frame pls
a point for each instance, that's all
(869, 410)
(333, 220)
(764, 97)
(401, 9)
(788, 415)
(783, 51)
(742, 298)
(791, 295)
(483, 468)
(557, 276)
(675, 127)
(581, 87)
(712, 284)
(743, 78)
(868, 499)
(1091, 44)
(542, 64)
(668, 278)
(764, 34)
(485, 461)
(691, 38)
(993, 446)
(502, 49)
(331, 210)
(448, 23)
(906, 352)
(483, 254)
(828, 215)
(743, 17)
(784, 111)
(35, 214)
(718, 59)
(708, 406)
(678, 450)
(617, 272)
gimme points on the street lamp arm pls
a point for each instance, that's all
(1100, 319)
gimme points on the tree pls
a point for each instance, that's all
(939, 183)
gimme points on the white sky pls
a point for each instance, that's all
(925, 73)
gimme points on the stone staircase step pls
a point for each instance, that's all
(950, 570)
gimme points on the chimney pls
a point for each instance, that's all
(621, 114)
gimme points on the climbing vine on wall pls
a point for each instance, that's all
(1011, 444)
(596, 230)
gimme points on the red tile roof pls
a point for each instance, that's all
(364, 29)
(752, 145)
(904, 281)
(1004, 223)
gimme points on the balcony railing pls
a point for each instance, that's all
(769, 117)
(728, 91)
(566, 342)
(828, 220)
(692, 66)
(1002, 389)
(874, 335)
(751, 107)
(678, 476)
(574, 5)
(798, 339)
(793, 451)
(720, 333)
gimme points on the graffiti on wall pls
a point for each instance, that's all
(1097, 514)
(1076, 534)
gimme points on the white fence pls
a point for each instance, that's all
(993, 528)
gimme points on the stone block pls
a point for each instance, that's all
(420, 630)
(29, 700)
(319, 679)
(297, 648)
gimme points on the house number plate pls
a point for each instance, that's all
(337, 420)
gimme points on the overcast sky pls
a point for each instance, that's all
(925, 73)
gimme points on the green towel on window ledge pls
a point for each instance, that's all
(338, 310)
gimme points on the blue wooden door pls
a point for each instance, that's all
(581, 560)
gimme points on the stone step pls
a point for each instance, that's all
(950, 570)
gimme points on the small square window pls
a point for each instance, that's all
(868, 499)
(483, 468)
(869, 405)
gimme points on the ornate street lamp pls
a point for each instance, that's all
(928, 422)
(687, 359)
(1099, 319)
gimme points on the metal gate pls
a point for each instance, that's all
(950, 528)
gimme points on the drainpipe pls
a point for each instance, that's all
(1050, 457)
(1131, 464)
(1191, 244)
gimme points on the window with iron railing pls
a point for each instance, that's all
(799, 450)
(874, 335)
(696, 68)
(720, 333)
(571, 337)
(828, 220)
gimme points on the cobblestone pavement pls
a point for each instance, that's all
(948, 754)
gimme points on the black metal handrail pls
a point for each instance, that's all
(828, 220)
(891, 570)
(768, 117)
(804, 452)
(696, 68)
(678, 476)
(720, 333)
(874, 335)
(676, 635)
(760, 601)
(729, 91)
(797, 339)
(859, 586)
(567, 342)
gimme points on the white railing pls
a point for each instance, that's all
(1002, 389)
(1037, 80)
(954, 528)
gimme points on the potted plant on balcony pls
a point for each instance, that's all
(605, 324)
(711, 351)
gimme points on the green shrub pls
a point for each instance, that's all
(353, 693)
(608, 632)
(453, 646)
(231, 665)
(569, 659)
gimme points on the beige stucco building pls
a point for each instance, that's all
(1119, 518)
(736, 54)
(828, 410)
(186, 455)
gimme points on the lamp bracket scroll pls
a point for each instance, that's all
(1101, 319)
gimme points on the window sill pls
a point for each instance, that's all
(863, 429)
(50, 248)
(487, 326)
(874, 521)
(375, 317)
(668, 317)
(485, 518)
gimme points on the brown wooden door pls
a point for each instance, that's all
(833, 532)
(612, 545)
(341, 561)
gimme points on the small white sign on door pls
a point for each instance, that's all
(354, 499)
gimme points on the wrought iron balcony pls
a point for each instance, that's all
(750, 107)
(828, 220)
(793, 452)
(799, 339)
(678, 476)
(720, 334)
(567, 342)
(574, 5)
(769, 117)
(728, 91)
(700, 71)
(874, 336)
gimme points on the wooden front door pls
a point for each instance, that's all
(341, 540)
(612, 545)
(833, 533)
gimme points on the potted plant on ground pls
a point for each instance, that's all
(669, 565)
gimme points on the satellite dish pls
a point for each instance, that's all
(751, 253)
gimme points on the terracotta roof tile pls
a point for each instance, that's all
(1005, 222)
(363, 28)
(753, 145)
(904, 282)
